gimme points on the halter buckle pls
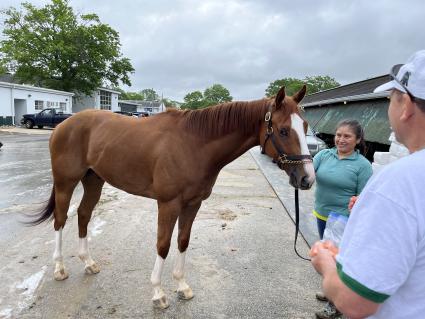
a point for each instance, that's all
(269, 130)
(268, 116)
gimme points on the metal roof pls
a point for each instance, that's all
(323, 110)
(33, 88)
(361, 88)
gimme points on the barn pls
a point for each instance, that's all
(323, 110)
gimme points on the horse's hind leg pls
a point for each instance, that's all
(92, 185)
(186, 219)
(167, 217)
(63, 194)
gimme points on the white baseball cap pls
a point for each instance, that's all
(410, 77)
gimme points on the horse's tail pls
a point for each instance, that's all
(46, 213)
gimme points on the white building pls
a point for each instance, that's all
(150, 107)
(17, 100)
(102, 99)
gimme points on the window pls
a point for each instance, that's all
(46, 113)
(105, 100)
(62, 106)
(39, 105)
(52, 105)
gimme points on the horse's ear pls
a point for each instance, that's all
(280, 97)
(300, 94)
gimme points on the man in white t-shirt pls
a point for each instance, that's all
(380, 269)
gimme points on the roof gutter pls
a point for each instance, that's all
(359, 97)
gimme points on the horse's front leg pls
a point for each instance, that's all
(167, 217)
(186, 219)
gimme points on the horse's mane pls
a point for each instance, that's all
(225, 118)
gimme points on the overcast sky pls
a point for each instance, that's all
(180, 46)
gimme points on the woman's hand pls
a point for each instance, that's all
(353, 200)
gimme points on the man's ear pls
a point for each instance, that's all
(408, 108)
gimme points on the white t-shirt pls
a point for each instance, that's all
(382, 253)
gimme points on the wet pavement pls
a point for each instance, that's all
(279, 181)
(24, 169)
(240, 262)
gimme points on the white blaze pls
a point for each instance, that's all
(297, 125)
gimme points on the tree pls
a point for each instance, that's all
(213, 95)
(143, 95)
(149, 95)
(217, 94)
(193, 100)
(171, 104)
(55, 48)
(320, 83)
(135, 96)
(292, 85)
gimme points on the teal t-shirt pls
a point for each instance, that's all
(337, 180)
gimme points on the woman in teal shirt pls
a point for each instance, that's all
(341, 172)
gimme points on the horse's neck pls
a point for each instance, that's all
(226, 149)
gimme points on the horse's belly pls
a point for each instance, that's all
(133, 183)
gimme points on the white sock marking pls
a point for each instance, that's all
(84, 253)
(178, 272)
(57, 255)
(156, 277)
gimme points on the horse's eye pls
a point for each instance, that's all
(283, 132)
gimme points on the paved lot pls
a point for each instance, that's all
(279, 181)
(240, 262)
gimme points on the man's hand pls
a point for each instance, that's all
(323, 256)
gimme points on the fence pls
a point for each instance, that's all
(6, 121)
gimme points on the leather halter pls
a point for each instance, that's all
(283, 158)
(286, 159)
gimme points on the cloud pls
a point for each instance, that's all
(180, 46)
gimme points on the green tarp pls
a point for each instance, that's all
(372, 115)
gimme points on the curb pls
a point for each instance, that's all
(17, 131)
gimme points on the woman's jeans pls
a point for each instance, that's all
(321, 225)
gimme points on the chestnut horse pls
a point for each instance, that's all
(173, 157)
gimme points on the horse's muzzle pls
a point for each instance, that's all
(300, 182)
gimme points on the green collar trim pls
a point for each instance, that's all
(359, 288)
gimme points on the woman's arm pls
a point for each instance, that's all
(365, 172)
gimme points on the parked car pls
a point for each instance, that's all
(141, 114)
(47, 117)
(124, 113)
(315, 144)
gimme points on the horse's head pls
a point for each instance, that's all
(283, 137)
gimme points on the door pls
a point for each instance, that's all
(45, 117)
(20, 109)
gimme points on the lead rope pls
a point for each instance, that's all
(297, 224)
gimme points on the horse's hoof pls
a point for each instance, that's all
(60, 275)
(185, 294)
(161, 302)
(92, 269)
